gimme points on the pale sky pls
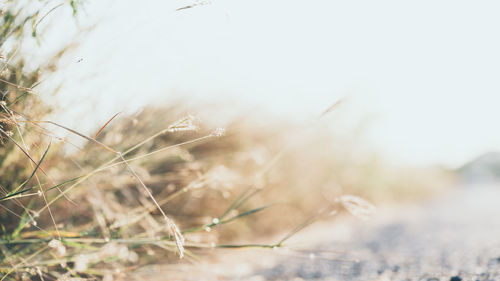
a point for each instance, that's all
(425, 73)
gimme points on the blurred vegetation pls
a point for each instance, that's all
(85, 214)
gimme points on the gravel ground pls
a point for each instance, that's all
(453, 237)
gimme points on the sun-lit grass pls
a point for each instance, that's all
(162, 185)
(223, 188)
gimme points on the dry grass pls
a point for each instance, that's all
(161, 185)
(223, 190)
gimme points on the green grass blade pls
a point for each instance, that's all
(34, 170)
(63, 183)
(231, 246)
(242, 199)
(22, 222)
(10, 195)
(247, 213)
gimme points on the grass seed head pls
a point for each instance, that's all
(357, 206)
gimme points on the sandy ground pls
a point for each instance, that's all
(453, 237)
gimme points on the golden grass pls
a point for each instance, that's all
(225, 187)
(161, 185)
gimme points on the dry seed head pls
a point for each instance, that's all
(357, 206)
(58, 246)
(184, 124)
(53, 243)
(219, 132)
(179, 239)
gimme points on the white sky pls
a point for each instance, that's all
(425, 72)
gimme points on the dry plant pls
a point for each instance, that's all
(158, 185)
(120, 216)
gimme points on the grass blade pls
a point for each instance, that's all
(34, 170)
(102, 128)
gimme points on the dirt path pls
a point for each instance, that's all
(454, 237)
